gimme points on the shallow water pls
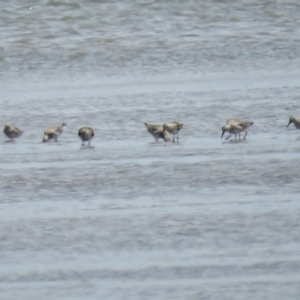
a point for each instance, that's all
(129, 218)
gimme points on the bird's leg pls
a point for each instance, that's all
(245, 134)
(177, 137)
(173, 138)
(89, 143)
(228, 137)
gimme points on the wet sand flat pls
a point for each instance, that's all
(131, 218)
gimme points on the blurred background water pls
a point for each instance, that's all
(130, 218)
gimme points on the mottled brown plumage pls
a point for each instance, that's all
(12, 132)
(236, 126)
(157, 132)
(53, 132)
(173, 128)
(86, 134)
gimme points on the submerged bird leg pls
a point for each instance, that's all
(245, 134)
(89, 142)
(228, 137)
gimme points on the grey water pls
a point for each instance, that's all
(131, 218)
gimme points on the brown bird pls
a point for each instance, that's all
(295, 120)
(86, 134)
(236, 126)
(157, 132)
(53, 132)
(173, 128)
(12, 132)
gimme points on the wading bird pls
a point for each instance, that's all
(86, 134)
(235, 126)
(53, 132)
(12, 132)
(173, 128)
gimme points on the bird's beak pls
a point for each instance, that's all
(288, 124)
(222, 133)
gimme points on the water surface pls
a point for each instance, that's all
(129, 218)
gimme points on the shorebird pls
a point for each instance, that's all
(235, 126)
(12, 132)
(295, 120)
(53, 132)
(157, 131)
(173, 128)
(86, 134)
